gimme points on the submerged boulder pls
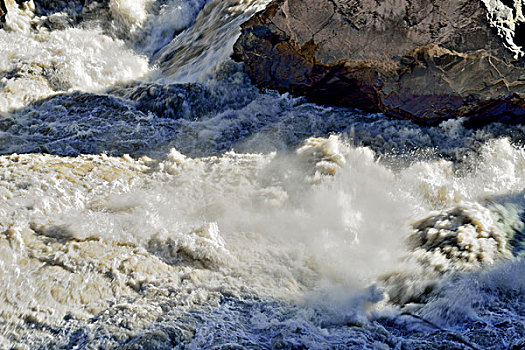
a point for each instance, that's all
(417, 59)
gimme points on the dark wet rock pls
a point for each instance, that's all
(174, 100)
(423, 60)
(188, 100)
(48, 7)
(3, 12)
(153, 340)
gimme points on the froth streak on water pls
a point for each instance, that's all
(81, 236)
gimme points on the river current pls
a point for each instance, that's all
(152, 198)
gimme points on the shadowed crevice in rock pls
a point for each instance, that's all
(519, 36)
(422, 60)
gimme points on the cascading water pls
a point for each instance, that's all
(151, 197)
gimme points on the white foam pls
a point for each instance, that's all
(240, 224)
(72, 59)
(19, 18)
(133, 13)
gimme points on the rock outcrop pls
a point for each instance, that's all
(426, 60)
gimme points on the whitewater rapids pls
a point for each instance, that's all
(151, 198)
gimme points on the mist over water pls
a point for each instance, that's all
(152, 197)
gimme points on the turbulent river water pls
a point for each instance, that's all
(152, 198)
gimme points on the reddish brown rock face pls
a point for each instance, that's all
(420, 59)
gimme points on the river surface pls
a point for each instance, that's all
(152, 198)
